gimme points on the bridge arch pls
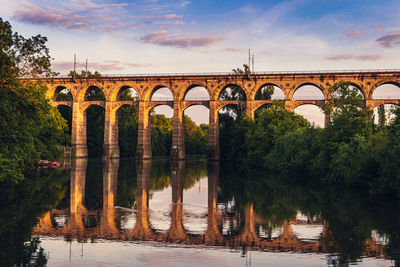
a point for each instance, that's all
(196, 92)
(312, 112)
(62, 93)
(353, 85)
(93, 93)
(385, 90)
(231, 92)
(152, 89)
(125, 92)
(278, 92)
(194, 104)
(312, 88)
(161, 93)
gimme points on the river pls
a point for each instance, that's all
(192, 213)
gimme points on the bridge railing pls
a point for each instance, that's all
(238, 74)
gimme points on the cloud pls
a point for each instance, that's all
(104, 66)
(377, 28)
(389, 40)
(364, 57)
(230, 49)
(164, 38)
(172, 16)
(66, 17)
(353, 31)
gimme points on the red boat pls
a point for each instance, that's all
(48, 164)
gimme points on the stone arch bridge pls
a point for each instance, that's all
(180, 84)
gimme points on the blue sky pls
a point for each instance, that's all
(150, 36)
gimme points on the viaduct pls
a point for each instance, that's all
(180, 84)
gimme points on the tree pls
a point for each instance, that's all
(84, 74)
(245, 70)
(347, 112)
(30, 128)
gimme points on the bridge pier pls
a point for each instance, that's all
(178, 133)
(143, 150)
(110, 146)
(78, 132)
(213, 133)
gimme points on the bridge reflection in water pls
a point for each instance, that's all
(83, 224)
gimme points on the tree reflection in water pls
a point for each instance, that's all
(245, 210)
(21, 206)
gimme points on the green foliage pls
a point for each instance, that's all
(95, 130)
(161, 135)
(265, 93)
(245, 70)
(30, 128)
(249, 141)
(128, 121)
(196, 138)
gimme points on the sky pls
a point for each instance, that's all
(190, 36)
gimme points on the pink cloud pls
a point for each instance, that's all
(389, 40)
(173, 16)
(377, 28)
(164, 38)
(68, 17)
(230, 49)
(363, 57)
(353, 31)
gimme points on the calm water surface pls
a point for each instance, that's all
(157, 213)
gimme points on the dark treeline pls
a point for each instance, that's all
(352, 150)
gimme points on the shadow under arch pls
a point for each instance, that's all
(311, 91)
(66, 113)
(94, 116)
(313, 113)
